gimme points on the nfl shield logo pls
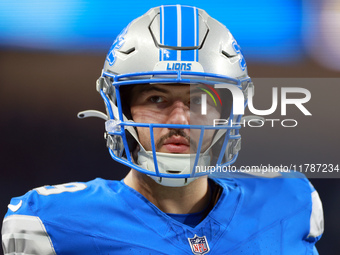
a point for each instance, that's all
(199, 245)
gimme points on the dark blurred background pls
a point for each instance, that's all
(52, 52)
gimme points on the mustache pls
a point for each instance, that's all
(175, 132)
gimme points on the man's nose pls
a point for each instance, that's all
(179, 113)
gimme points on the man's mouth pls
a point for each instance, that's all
(177, 144)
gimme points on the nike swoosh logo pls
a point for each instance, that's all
(15, 208)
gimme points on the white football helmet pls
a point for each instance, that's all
(179, 45)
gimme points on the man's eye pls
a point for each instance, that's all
(156, 99)
(196, 100)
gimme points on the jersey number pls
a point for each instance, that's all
(57, 189)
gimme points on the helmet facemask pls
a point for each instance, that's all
(205, 140)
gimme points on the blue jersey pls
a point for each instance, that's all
(252, 216)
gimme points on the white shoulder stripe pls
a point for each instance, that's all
(16, 207)
(316, 218)
(22, 234)
(179, 31)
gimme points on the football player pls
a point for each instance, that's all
(169, 75)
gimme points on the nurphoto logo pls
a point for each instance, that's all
(239, 101)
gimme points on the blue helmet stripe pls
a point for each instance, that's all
(188, 23)
(188, 33)
(169, 32)
(170, 26)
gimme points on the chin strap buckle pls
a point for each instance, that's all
(113, 138)
(115, 143)
(112, 126)
(234, 148)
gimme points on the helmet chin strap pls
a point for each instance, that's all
(169, 163)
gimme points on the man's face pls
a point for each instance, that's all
(172, 104)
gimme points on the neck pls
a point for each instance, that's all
(180, 200)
